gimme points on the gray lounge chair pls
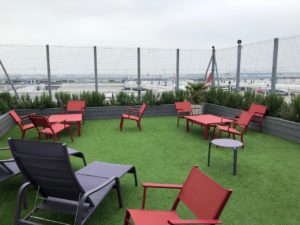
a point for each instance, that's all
(8, 167)
(60, 189)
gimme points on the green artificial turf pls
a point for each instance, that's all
(266, 188)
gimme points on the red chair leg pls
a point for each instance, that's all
(242, 141)
(127, 218)
(121, 123)
(220, 132)
(23, 134)
(213, 134)
(138, 122)
(54, 137)
(70, 132)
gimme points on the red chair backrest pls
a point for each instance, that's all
(244, 119)
(142, 110)
(183, 107)
(15, 117)
(203, 196)
(258, 110)
(39, 121)
(75, 105)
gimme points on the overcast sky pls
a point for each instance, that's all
(147, 23)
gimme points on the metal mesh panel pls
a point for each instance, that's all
(117, 69)
(158, 69)
(288, 66)
(256, 65)
(226, 60)
(72, 69)
(193, 65)
(26, 66)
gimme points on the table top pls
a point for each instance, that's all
(65, 117)
(227, 143)
(208, 119)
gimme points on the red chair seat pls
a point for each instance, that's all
(150, 217)
(28, 126)
(131, 117)
(56, 128)
(231, 130)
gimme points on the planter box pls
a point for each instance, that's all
(278, 127)
(106, 112)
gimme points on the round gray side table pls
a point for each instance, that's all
(226, 143)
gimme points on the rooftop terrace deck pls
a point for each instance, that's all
(266, 188)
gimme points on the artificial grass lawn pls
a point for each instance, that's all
(266, 188)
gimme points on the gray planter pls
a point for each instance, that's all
(105, 112)
(278, 127)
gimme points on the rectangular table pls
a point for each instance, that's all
(68, 118)
(206, 120)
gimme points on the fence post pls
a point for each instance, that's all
(96, 68)
(213, 63)
(274, 66)
(177, 70)
(238, 67)
(139, 72)
(48, 69)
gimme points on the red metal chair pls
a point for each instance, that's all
(239, 126)
(203, 197)
(76, 106)
(183, 109)
(43, 126)
(259, 112)
(20, 121)
(139, 113)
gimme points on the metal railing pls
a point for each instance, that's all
(272, 65)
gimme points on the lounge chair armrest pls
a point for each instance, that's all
(186, 222)
(6, 160)
(155, 185)
(4, 149)
(20, 197)
(88, 193)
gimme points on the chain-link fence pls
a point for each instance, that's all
(262, 67)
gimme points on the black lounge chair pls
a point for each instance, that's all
(62, 190)
(8, 167)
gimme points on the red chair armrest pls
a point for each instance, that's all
(153, 185)
(186, 222)
(170, 186)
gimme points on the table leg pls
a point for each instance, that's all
(208, 159)
(187, 125)
(78, 128)
(234, 160)
(205, 132)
